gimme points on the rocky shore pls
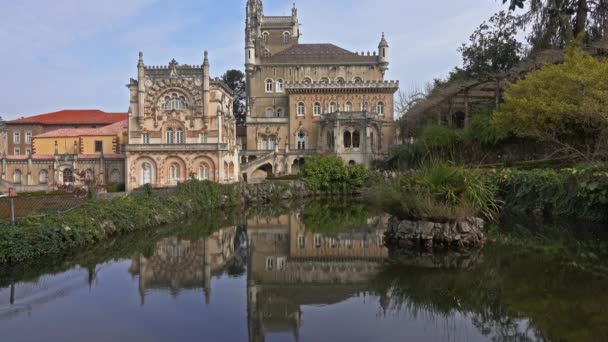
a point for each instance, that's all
(425, 236)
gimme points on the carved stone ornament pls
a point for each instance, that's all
(148, 83)
(198, 82)
(173, 69)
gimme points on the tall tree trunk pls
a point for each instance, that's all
(580, 25)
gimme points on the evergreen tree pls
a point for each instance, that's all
(235, 79)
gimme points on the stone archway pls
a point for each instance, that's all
(144, 171)
(174, 170)
(261, 173)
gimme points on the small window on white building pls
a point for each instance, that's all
(301, 109)
(280, 86)
(380, 108)
(318, 241)
(204, 138)
(269, 86)
(170, 136)
(301, 241)
(145, 138)
(180, 136)
(316, 109)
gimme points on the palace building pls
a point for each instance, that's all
(181, 126)
(307, 99)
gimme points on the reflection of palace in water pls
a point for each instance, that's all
(290, 266)
(177, 264)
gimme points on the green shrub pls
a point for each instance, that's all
(440, 136)
(330, 173)
(98, 220)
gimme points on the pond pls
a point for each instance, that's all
(314, 271)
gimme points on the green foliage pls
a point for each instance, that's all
(330, 173)
(580, 192)
(98, 220)
(563, 104)
(236, 81)
(493, 48)
(439, 136)
(437, 191)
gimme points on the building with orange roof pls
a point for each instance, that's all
(67, 152)
(20, 132)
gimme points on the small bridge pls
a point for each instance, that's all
(260, 163)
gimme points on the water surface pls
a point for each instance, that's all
(310, 272)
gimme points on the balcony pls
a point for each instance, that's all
(175, 147)
(266, 120)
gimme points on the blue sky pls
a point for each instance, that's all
(80, 54)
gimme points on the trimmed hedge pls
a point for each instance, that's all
(98, 220)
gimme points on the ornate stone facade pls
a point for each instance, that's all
(292, 86)
(181, 126)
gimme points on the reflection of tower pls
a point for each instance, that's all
(207, 274)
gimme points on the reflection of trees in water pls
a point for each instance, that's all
(444, 293)
(237, 266)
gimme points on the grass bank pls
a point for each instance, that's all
(97, 221)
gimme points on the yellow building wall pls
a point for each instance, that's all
(47, 145)
(89, 144)
(65, 145)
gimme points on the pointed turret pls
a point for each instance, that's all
(383, 54)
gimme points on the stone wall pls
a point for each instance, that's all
(435, 236)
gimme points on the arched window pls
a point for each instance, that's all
(265, 36)
(280, 86)
(324, 80)
(301, 140)
(358, 80)
(269, 113)
(203, 172)
(380, 108)
(348, 107)
(68, 176)
(280, 113)
(286, 38)
(175, 102)
(356, 139)
(174, 173)
(43, 177)
(170, 137)
(364, 106)
(269, 85)
(307, 80)
(272, 143)
(340, 80)
(17, 177)
(89, 175)
(333, 107)
(180, 136)
(316, 108)
(146, 174)
(301, 109)
(347, 140)
(115, 177)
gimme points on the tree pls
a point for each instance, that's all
(555, 22)
(493, 49)
(564, 104)
(235, 80)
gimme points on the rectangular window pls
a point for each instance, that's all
(28, 151)
(28, 137)
(281, 263)
(318, 240)
(269, 264)
(301, 241)
(204, 138)
(17, 138)
(98, 146)
(17, 151)
(145, 139)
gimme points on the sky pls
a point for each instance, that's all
(80, 54)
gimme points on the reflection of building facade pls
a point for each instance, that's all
(181, 125)
(178, 264)
(290, 266)
(292, 87)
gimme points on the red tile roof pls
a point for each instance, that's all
(113, 130)
(92, 116)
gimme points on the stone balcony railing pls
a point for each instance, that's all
(175, 147)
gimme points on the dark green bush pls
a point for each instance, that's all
(330, 173)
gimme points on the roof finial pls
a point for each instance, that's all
(294, 10)
(141, 59)
(206, 59)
